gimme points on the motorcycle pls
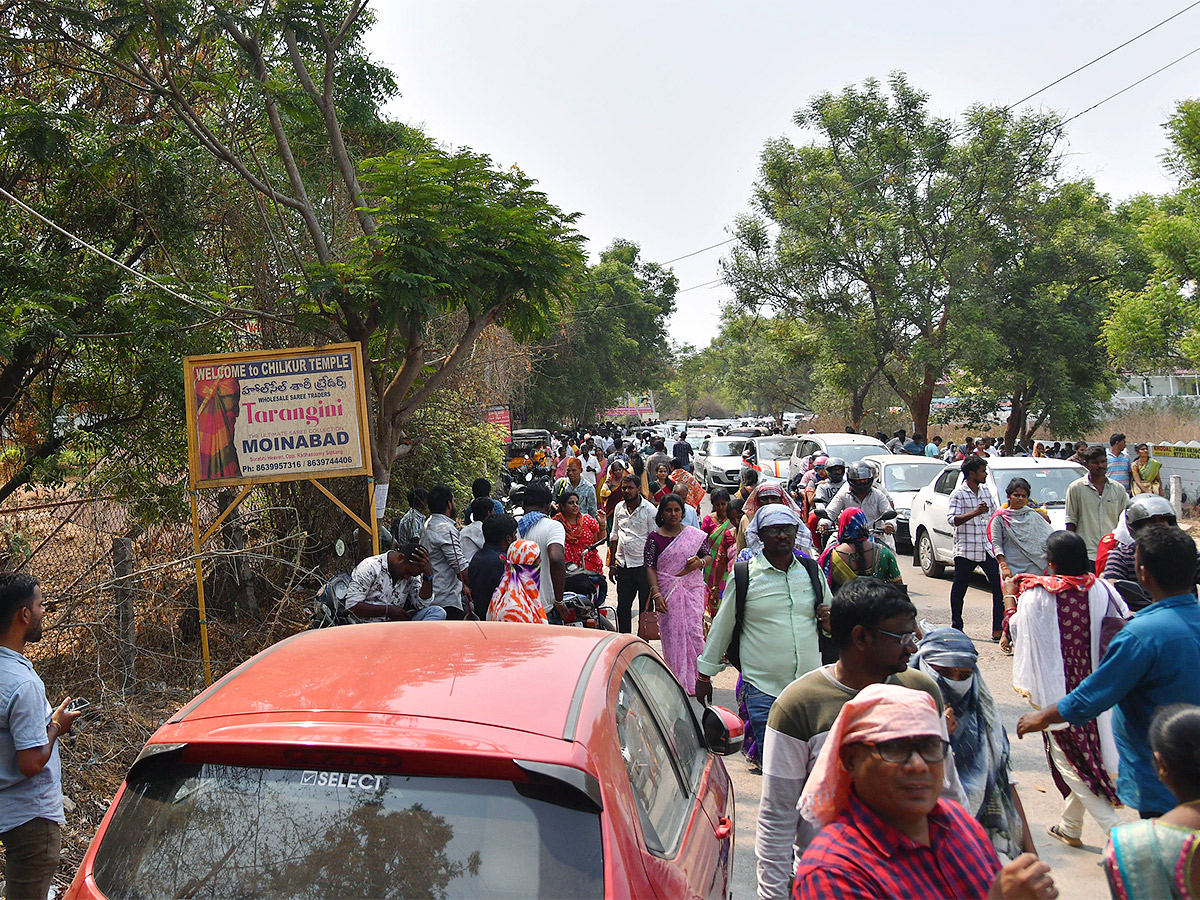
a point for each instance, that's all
(877, 532)
(581, 597)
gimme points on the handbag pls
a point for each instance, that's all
(648, 624)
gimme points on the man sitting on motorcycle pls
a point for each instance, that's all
(835, 473)
(393, 586)
(861, 491)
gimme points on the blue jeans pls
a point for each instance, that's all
(429, 614)
(758, 706)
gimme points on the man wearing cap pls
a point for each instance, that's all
(885, 830)
(778, 640)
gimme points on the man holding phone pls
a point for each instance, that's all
(971, 508)
(31, 801)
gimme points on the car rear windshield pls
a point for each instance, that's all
(852, 453)
(909, 476)
(221, 831)
(1049, 485)
(727, 448)
(776, 449)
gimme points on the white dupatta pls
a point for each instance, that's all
(1037, 653)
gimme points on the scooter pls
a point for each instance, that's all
(581, 596)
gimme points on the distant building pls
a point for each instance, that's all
(1139, 389)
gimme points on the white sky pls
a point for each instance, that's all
(648, 117)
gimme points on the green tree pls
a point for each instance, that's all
(371, 233)
(1042, 284)
(767, 361)
(611, 340)
(1155, 326)
(877, 222)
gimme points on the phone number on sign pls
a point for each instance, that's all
(303, 464)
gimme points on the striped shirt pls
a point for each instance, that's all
(860, 855)
(1118, 468)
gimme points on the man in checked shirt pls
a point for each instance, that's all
(971, 508)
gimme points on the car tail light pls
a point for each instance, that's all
(342, 760)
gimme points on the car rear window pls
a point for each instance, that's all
(217, 831)
(776, 449)
(852, 453)
(727, 448)
(1049, 484)
(909, 476)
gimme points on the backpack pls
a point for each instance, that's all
(741, 584)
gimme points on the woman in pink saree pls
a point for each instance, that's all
(674, 567)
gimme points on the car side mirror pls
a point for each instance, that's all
(723, 730)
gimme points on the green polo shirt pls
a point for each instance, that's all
(779, 628)
(1094, 514)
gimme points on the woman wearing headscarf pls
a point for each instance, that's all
(1055, 629)
(978, 738)
(674, 559)
(1019, 531)
(687, 485)
(854, 553)
(518, 596)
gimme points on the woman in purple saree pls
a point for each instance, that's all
(674, 567)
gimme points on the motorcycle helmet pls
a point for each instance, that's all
(1145, 507)
(820, 462)
(835, 466)
(860, 474)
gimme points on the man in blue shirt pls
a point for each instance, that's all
(1150, 663)
(31, 802)
(1118, 461)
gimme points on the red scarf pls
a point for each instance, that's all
(1056, 583)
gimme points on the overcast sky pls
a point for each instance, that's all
(648, 117)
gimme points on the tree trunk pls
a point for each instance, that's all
(920, 403)
(1015, 426)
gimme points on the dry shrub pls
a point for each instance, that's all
(80, 654)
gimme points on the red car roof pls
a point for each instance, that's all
(519, 677)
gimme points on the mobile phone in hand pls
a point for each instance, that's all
(78, 705)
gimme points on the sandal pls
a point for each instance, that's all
(1055, 832)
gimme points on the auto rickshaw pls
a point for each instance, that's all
(528, 450)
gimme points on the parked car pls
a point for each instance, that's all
(429, 759)
(902, 477)
(718, 462)
(850, 447)
(933, 536)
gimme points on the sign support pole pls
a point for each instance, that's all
(196, 542)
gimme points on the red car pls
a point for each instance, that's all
(439, 759)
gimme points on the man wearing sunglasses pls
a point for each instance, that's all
(885, 830)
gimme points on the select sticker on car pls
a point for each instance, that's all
(367, 781)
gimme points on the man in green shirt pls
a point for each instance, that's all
(779, 624)
(1094, 502)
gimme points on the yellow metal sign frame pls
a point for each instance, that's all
(248, 482)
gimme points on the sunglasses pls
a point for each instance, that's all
(898, 752)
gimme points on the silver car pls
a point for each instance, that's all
(902, 477)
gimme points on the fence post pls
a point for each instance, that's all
(1177, 496)
(126, 624)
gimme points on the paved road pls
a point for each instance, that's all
(1076, 871)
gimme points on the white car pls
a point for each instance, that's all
(902, 476)
(850, 447)
(933, 536)
(718, 461)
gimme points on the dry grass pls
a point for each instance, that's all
(79, 654)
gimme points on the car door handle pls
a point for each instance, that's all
(724, 828)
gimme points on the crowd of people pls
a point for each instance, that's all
(885, 765)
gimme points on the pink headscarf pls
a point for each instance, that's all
(881, 712)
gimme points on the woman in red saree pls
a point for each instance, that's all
(217, 403)
(674, 559)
